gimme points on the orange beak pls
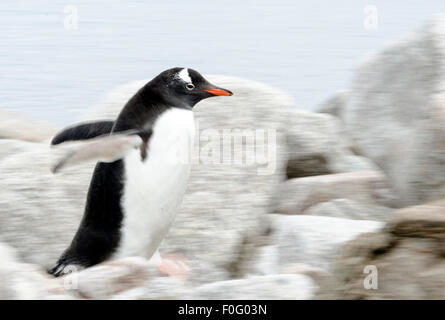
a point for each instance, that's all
(219, 92)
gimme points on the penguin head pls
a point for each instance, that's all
(186, 87)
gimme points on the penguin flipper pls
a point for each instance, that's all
(83, 131)
(105, 149)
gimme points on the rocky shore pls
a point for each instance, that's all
(357, 186)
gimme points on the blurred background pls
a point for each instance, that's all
(308, 49)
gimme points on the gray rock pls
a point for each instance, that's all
(349, 209)
(367, 187)
(20, 281)
(395, 114)
(311, 240)
(427, 220)
(16, 126)
(317, 146)
(39, 211)
(406, 259)
(223, 206)
(345, 161)
(156, 288)
(128, 278)
(335, 105)
(282, 286)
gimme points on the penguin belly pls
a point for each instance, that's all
(154, 188)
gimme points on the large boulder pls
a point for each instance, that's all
(405, 260)
(350, 209)
(39, 211)
(303, 239)
(21, 281)
(136, 278)
(280, 286)
(223, 207)
(395, 113)
(127, 278)
(335, 105)
(156, 288)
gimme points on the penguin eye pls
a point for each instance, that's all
(190, 86)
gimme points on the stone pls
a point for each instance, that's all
(39, 211)
(401, 273)
(271, 287)
(368, 187)
(20, 281)
(311, 240)
(395, 113)
(317, 146)
(109, 278)
(349, 209)
(156, 288)
(426, 221)
(335, 105)
(404, 260)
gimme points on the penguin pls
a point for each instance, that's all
(144, 161)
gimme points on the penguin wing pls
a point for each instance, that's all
(83, 131)
(105, 149)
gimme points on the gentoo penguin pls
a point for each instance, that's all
(142, 173)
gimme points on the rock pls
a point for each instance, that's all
(348, 162)
(20, 281)
(367, 187)
(335, 105)
(405, 260)
(106, 279)
(426, 221)
(312, 240)
(317, 147)
(16, 126)
(348, 209)
(128, 278)
(282, 286)
(224, 206)
(203, 271)
(39, 211)
(395, 113)
(321, 277)
(156, 288)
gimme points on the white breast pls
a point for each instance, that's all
(153, 189)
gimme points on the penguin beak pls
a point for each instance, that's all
(219, 91)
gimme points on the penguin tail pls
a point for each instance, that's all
(62, 268)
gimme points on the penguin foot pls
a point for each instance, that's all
(62, 269)
(173, 265)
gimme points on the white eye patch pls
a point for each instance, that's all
(184, 75)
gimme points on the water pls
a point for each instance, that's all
(308, 49)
